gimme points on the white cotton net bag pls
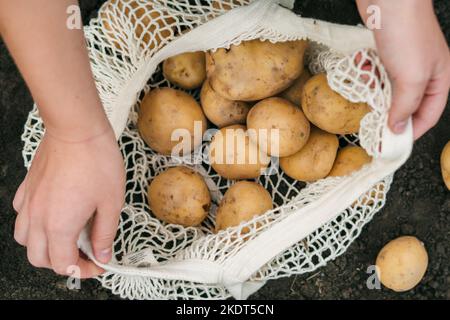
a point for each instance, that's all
(310, 225)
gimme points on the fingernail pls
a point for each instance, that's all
(104, 255)
(399, 126)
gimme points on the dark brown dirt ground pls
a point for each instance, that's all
(418, 203)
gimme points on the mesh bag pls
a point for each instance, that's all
(310, 225)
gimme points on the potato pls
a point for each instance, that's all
(281, 129)
(179, 195)
(164, 110)
(220, 111)
(145, 21)
(445, 164)
(225, 5)
(348, 160)
(233, 156)
(186, 70)
(255, 69)
(328, 110)
(294, 92)
(402, 263)
(242, 201)
(315, 160)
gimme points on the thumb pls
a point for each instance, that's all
(406, 99)
(103, 232)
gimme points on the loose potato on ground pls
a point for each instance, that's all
(220, 111)
(280, 128)
(165, 110)
(348, 160)
(328, 110)
(315, 160)
(144, 19)
(255, 69)
(294, 92)
(233, 156)
(186, 70)
(242, 202)
(445, 164)
(402, 263)
(179, 195)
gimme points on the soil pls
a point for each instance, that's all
(418, 203)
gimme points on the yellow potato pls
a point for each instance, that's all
(348, 160)
(220, 111)
(225, 5)
(165, 110)
(233, 156)
(179, 195)
(280, 128)
(328, 110)
(186, 70)
(315, 160)
(402, 263)
(255, 69)
(445, 164)
(294, 92)
(144, 19)
(242, 202)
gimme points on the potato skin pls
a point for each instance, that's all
(294, 92)
(328, 110)
(186, 70)
(348, 160)
(146, 17)
(315, 160)
(225, 5)
(278, 114)
(179, 195)
(402, 263)
(164, 110)
(255, 69)
(220, 111)
(231, 168)
(445, 164)
(242, 202)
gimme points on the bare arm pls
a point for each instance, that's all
(77, 172)
(54, 62)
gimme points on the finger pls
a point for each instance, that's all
(429, 113)
(66, 260)
(21, 228)
(103, 232)
(88, 269)
(19, 197)
(37, 249)
(406, 100)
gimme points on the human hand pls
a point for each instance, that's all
(69, 183)
(415, 53)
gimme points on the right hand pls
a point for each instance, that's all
(415, 53)
(68, 184)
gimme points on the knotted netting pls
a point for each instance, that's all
(310, 224)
